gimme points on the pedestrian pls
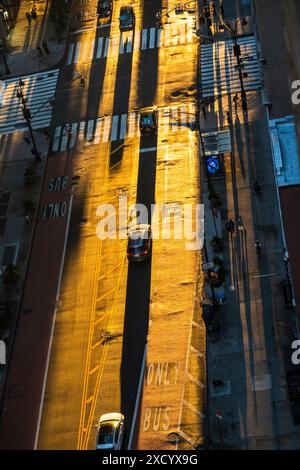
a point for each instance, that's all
(27, 140)
(34, 14)
(229, 119)
(256, 188)
(28, 218)
(46, 134)
(28, 16)
(82, 81)
(240, 223)
(235, 98)
(257, 245)
(45, 47)
(38, 48)
(230, 226)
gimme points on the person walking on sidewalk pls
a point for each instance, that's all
(38, 48)
(230, 226)
(240, 223)
(45, 47)
(256, 188)
(34, 14)
(28, 16)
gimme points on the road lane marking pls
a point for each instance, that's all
(152, 38)
(70, 53)
(114, 128)
(123, 126)
(144, 39)
(138, 396)
(52, 326)
(99, 47)
(77, 52)
(106, 47)
(148, 149)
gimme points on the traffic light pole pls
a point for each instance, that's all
(27, 117)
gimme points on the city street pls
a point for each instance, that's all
(192, 344)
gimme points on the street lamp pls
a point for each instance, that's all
(2, 50)
(27, 117)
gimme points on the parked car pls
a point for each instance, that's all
(104, 8)
(148, 122)
(139, 242)
(110, 432)
(126, 18)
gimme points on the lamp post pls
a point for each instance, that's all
(27, 117)
(2, 50)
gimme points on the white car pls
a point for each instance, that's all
(110, 431)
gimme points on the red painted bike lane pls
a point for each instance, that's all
(26, 373)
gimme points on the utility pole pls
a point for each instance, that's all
(27, 117)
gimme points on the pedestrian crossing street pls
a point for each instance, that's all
(219, 74)
(119, 127)
(38, 88)
(92, 48)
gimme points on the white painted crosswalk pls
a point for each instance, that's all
(121, 126)
(127, 42)
(219, 72)
(38, 89)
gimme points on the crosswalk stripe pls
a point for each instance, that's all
(106, 47)
(123, 126)
(81, 131)
(56, 138)
(119, 127)
(106, 130)
(144, 39)
(77, 52)
(73, 136)
(99, 47)
(137, 40)
(98, 129)
(129, 42)
(152, 38)
(121, 48)
(70, 53)
(114, 128)
(158, 38)
(90, 128)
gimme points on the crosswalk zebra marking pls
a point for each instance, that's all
(130, 41)
(219, 74)
(38, 89)
(118, 127)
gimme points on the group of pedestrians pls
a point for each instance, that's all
(44, 47)
(230, 225)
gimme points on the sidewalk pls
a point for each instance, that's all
(248, 353)
(15, 232)
(22, 55)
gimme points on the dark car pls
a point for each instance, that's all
(148, 122)
(126, 18)
(139, 242)
(104, 8)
